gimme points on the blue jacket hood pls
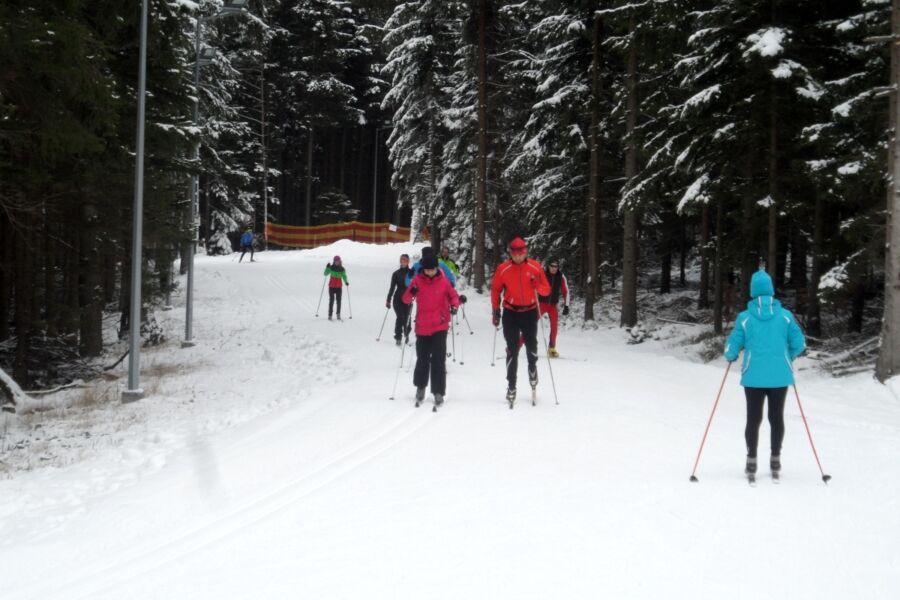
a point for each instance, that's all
(764, 307)
(761, 285)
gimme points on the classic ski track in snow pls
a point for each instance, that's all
(273, 465)
(158, 554)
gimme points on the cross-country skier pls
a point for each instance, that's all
(429, 251)
(337, 274)
(445, 260)
(771, 339)
(247, 244)
(558, 287)
(395, 297)
(436, 302)
(519, 280)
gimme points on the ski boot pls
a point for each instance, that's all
(532, 377)
(329, 317)
(438, 401)
(511, 396)
(750, 470)
(420, 395)
(775, 466)
(339, 316)
(398, 342)
(553, 352)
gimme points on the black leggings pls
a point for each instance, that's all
(516, 324)
(402, 325)
(431, 358)
(334, 293)
(755, 399)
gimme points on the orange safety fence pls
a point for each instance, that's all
(294, 236)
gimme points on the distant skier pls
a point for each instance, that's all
(771, 339)
(247, 244)
(445, 260)
(436, 302)
(395, 297)
(337, 274)
(429, 251)
(519, 280)
(558, 287)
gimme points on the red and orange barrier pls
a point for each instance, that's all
(294, 236)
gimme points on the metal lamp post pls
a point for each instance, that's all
(203, 56)
(134, 391)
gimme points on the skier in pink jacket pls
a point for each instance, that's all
(436, 303)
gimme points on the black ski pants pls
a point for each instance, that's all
(402, 326)
(244, 250)
(431, 357)
(516, 325)
(334, 294)
(756, 397)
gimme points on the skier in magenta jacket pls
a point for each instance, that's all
(436, 302)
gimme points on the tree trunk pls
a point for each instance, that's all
(813, 310)
(6, 279)
(888, 363)
(629, 237)
(682, 251)
(772, 265)
(24, 290)
(592, 284)
(90, 288)
(703, 297)
(668, 222)
(309, 154)
(481, 181)
(719, 267)
(857, 300)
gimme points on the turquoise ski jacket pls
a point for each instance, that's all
(769, 336)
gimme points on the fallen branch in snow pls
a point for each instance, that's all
(664, 320)
(11, 395)
(77, 383)
(115, 364)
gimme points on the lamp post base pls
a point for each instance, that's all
(188, 344)
(132, 395)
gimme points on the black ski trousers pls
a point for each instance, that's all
(756, 397)
(402, 325)
(431, 357)
(334, 294)
(244, 250)
(516, 325)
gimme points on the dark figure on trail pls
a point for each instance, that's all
(337, 277)
(771, 339)
(558, 287)
(520, 280)
(247, 244)
(395, 297)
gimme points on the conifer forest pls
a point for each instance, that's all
(656, 148)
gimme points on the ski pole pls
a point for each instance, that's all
(453, 337)
(324, 281)
(380, 331)
(349, 304)
(402, 356)
(708, 423)
(494, 351)
(546, 348)
(825, 477)
(462, 351)
(466, 319)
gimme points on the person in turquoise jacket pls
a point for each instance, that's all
(771, 339)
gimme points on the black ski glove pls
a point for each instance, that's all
(566, 310)
(453, 310)
(462, 299)
(387, 303)
(496, 319)
(413, 291)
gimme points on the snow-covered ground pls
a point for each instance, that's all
(268, 462)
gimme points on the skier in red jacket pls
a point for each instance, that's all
(558, 288)
(520, 280)
(436, 302)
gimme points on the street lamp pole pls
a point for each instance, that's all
(374, 183)
(134, 391)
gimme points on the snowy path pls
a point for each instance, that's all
(327, 489)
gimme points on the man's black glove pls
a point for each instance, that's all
(566, 310)
(348, 284)
(328, 266)
(462, 299)
(387, 303)
(413, 291)
(496, 319)
(453, 310)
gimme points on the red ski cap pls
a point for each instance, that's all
(518, 246)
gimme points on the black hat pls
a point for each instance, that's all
(427, 251)
(429, 262)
